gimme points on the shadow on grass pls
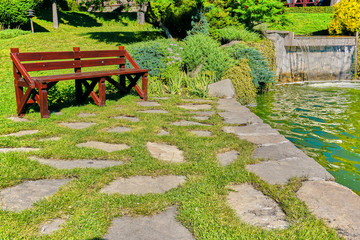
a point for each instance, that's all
(76, 19)
(37, 28)
(125, 37)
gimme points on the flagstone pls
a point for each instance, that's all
(165, 152)
(188, 123)
(132, 119)
(108, 147)
(148, 104)
(196, 107)
(84, 163)
(227, 157)
(202, 133)
(21, 133)
(119, 129)
(77, 125)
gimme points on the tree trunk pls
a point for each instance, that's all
(141, 13)
(55, 15)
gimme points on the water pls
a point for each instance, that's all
(321, 119)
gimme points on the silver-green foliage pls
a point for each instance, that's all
(233, 33)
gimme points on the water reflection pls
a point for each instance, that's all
(321, 120)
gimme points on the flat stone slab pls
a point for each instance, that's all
(334, 203)
(143, 184)
(204, 113)
(21, 133)
(266, 140)
(279, 172)
(197, 100)
(279, 151)
(231, 105)
(119, 129)
(108, 147)
(240, 118)
(163, 132)
(23, 196)
(131, 119)
(22, 149)
(253, 207)
(161, 98)
(158, 227)
(251, 130)
(202, 133)
(188, 123)
(85, 163)
(77, 125)
(148, 104)
(165, 152)
(52, 226)
(18, 119)
(227, 157)
(50, 139)
(201, 118)
(154, 111)
(87, 115)
(196, 107)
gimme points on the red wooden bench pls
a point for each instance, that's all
(85, 81)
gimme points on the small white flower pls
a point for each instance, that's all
(181, 48)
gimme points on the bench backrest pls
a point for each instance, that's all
(42, 61)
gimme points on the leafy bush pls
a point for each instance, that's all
(232, 33)
(65, 5)
(201, 49)
(242, 80)
(346, 18)
(267, 49)
(11, 33)
(199, 24)
(198, 85)
(13, 12)
(259, 69)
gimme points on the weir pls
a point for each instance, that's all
(304, 58)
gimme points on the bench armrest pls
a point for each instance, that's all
(131, 60)
(22, 70)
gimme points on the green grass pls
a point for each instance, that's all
(201, 200)
(306, 23)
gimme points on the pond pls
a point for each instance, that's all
(321, 119)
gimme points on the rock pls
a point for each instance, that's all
(188, 123)
(77, 125)
(154, 111)
(71, 164)
(222, 89)
(22, 133)
(209, 113)
(21, 149)
(108, 147)
(201, 118)
(251, 130)
(87, 115)
(163, 132)
(148, 104)
(18, 119)
(143, 184)
(231, 105)
(201, 133)
(197, 100)
(119, 129)
(165, 152)
(159, 227)
(50, 139)
(161, 98)
(334, 203)
(52, 226)
(23, 196)
(240, 118)
(131, 119)
(253, 207)
(196, 107)
(279, 151)
(227, 157)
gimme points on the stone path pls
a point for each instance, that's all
(129, 118)
(22, 196)
(227, 157)
(18, 119)
(77, 125)
(188, 123)
(159, 227)
(108, 147)
(196, 107)
(148, 104)
(201, 133)
(21, 133)
(21, 149)
(70, 164)
(119, 129)
(52, 226)
(87, 115)
(165, 152)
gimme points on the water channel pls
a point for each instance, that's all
(321, 119)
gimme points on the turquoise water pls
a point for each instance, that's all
(321, 119)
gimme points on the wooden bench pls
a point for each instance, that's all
(34, 89)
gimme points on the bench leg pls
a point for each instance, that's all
(43, 101)
(102, 93)
(78, 90)
(145, 86)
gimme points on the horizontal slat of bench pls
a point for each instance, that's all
(42, 66)
(40, 56)
(89, 75)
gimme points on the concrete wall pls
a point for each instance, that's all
(312, 58)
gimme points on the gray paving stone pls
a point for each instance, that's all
(279, 172)
(21, 133)
(197, 100)
(204, 113)
(165, 152)
(143, 184)
(163, 132)
(222, 89)
(158, 227)
(231, 105)
(279, 151)
(196, 106)
(23, 196)
(251, 130)
(227, 157)
(265, 140)
(52, 226)
(188, 123)
(119, 129)
(240, 118)
(334, 203)
(108, 147)
(21, 149)
(87, 115)
(161, 98)
(154, 111)
(148, 104)
(202, 133)
(201, 118)
(18, 119)
(50, 139)
(85, 163)
(253, 207)
(77, 125)
(131, 119)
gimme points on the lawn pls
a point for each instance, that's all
(201, 201)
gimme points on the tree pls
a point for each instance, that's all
(55, 15)
(254, 12)
(346, 18)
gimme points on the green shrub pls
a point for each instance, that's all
(198, 85)
(346, 17)
(13, 12)
(242, 80)
(259, 69)
(267, 49)
(201, 49)
(199, 24)
(233, 33)
(65, 5)
(11, 33)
